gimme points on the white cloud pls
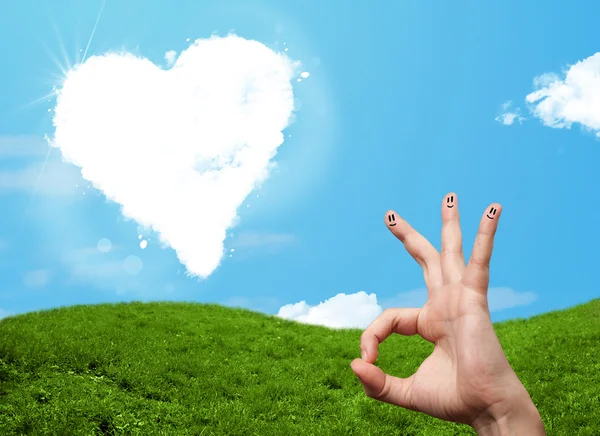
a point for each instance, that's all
(545, 80)
(37, 278)
(170, 57)
(179, 149)
(574, 99)
(359, 310)
(509, 117)
(342, 311)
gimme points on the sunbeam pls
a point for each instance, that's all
(64, 70)
(37, 183)
(93, 31)
(38, 101)
(56, 78)
(67, 62)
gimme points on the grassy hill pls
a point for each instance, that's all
(197, 369)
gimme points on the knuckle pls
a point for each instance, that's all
(480, 262)
(486, 233)
(447, 251)
(365, 336)
(384, 393)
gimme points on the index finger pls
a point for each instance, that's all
(418, 247)
(397, 320)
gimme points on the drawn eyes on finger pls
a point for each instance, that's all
(391, 220)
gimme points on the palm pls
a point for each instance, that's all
(467, 371)
(452, 382)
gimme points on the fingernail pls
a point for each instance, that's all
(364, 354)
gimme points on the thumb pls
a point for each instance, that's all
(381, 386)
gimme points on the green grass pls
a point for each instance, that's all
(197, 369)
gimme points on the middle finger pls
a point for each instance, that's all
(452, 257)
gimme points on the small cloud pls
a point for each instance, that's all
(342, 311)
(509, 117)
(545, 80)
(361, 309)
(559, 103)
(170, 57)
(36, 279)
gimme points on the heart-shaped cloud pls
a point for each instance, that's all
(178, 149)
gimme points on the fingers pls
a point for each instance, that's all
(477, 273)
(381, 386)
(452, 257)
(418, 247)
(398, 320)
(377, 384)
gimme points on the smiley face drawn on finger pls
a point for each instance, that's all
(450, 201)
(392, 220)
(492, 212)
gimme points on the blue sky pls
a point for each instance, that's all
(405, 102)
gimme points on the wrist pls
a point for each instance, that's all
(517, 416)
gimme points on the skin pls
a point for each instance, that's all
(467, 378)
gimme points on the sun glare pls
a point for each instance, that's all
(57, 80)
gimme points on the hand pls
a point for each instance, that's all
(467, 378)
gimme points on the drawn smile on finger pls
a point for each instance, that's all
(450, 202)
(492, 212)
(392, 220)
